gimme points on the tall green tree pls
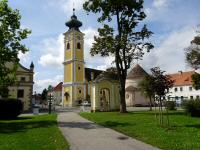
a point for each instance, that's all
(146, 86)
(120, 35)
(193, 51)
(11, 36)
(193, 58)
(44, 95)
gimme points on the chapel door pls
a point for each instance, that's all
(104, 100)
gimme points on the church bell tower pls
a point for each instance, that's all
(73, 90)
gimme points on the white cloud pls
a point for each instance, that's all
(44, 83)
(170, 55)
(53, 52)
(68, 5)
(97, 61)
(24, 57)
(160, 3)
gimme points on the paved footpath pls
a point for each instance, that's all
(86, 135)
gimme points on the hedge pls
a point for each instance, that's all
(10, 108)
(192, 107)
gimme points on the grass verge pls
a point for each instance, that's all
(183, 134)
(32, 133)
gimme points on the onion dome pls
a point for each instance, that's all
(74, 23)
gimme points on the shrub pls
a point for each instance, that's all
(192, 107)
(170, 105)
(10, 108)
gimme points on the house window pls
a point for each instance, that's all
(191, 97)
(176, 97)
(68, 46)
(20, 94)
(190, 88)
(175, 89)
(23, 79)
(181, 97)
(197, 97)
(181, 89)
(127, 96)
(78, 45)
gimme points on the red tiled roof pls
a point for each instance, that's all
(182, 78)
(58, 87)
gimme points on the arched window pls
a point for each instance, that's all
(78, 45)
(68, 46)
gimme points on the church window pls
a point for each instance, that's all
(68, 46)
(79, 68)
(23, 79)
(80, 91)
(78, 45)
(127, 96)
(20, 93)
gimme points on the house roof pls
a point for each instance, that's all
(182, 78)
(58, 87)
(136, 72)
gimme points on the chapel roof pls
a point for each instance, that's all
(182, 78)
(88, 72)
(136, 72)
(106, 75)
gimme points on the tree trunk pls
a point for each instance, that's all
(122, 97)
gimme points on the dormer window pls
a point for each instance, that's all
(68, 46)
(78, 45)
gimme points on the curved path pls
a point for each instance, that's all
(86, 135)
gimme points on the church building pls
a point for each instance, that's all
(80, 83)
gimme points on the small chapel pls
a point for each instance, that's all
(101, 88)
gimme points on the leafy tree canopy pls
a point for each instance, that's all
(120, 35)
(11, 36)
(193, 51)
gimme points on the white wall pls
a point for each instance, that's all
(186, 92)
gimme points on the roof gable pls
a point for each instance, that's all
(136, 72)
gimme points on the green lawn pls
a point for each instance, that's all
(32, 133)
(184, 133)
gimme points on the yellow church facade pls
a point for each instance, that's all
(82, 83)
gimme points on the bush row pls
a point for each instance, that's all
(10, 108)
(192, 107)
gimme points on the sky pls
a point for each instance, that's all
(173, 23)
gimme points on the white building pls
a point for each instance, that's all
(183, 88)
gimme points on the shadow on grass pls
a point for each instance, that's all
(24, 125)
(116, 124)
(194, 126)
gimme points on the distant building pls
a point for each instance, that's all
(134, 96)
(23, 89)
(183, 88)
(57, 94)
